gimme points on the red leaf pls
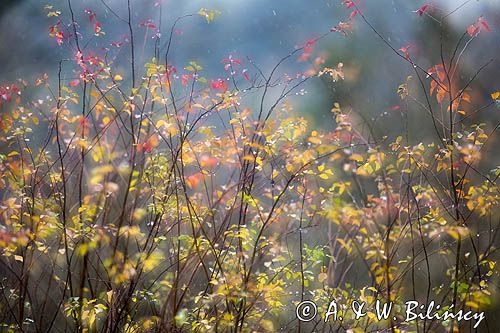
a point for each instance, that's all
(354, 13)
(406, 51)
(422, 9)
(245, 75)
(60, 38)
(485, 24)
(348, 3)
(308, 50)
(185, 79)
(124, 40)
(74, 83)
(219, 84)
(208, 162)
(91, 15)
(84, 125)
(97, 27)
(473, 30)
(147, 147)
(148, 24)
(230, 60)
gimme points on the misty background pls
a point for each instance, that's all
(265, 31)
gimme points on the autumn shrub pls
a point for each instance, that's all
(147, 197)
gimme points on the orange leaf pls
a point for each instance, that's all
(74, 83)
(207, 161)
(193, 180)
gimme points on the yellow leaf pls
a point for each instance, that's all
(457, 232)
(18, 258)
(152, 261)
(83, 249)
(209, 14)
(139, 214)
(249, 157)
(109, 296)
(118, 77)
(314, 140)
(344, 244)
(356, 157)
(472, 304)
(495, 95)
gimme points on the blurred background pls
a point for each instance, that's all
(264, 31)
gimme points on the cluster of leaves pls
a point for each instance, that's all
(161, 202)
